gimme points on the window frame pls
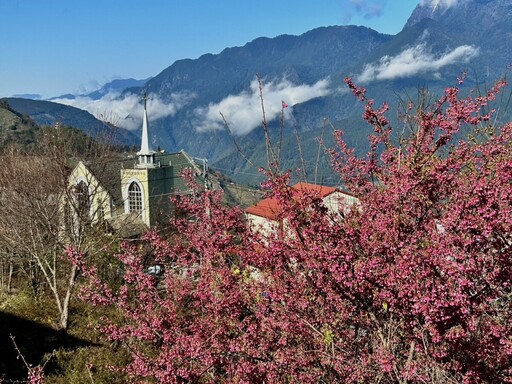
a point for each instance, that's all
(135, 197)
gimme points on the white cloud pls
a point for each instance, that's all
(88, 87)
(441, 4)
(127, 111)
(243, 111)
(413, 61)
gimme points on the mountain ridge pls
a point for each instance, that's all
(432, 49)
(115, 86)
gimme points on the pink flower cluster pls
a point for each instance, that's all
(413, 285)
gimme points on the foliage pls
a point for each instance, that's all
(78, 144)
(413, 285)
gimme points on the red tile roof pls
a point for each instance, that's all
(269, 207)
(322, 190)
(265, 208)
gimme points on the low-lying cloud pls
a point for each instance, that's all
(126, 111)
(243, 112)
(414, 61)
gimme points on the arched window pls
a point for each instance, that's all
(134, 197)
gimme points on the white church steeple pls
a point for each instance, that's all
(146, 154)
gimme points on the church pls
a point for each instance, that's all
(134, 193)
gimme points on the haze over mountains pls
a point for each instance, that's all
(439, 41)
(116, 86)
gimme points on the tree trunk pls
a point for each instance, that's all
(64, 315)
(2, 276)
(9, 279)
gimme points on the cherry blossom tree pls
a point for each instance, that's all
(34, 229)
(412, 285)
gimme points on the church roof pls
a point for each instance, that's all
(179, 162)
(108, 172)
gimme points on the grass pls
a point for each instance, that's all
(77, 356)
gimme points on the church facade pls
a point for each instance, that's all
(134, 192)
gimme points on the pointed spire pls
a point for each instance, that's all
(146, 154)
(144, 145)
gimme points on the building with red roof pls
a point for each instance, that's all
(264, 216)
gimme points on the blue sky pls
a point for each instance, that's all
(52, 47)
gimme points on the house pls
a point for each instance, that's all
(265, 215)
(132, 192)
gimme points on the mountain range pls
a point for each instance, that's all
(439, 41)
(114, 86)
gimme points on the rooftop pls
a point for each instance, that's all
(269, 207)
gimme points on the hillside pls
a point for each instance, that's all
(482, 23)
(323, 53)
(48, 113)
(15, 127)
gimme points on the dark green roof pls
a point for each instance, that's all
(108, 172)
